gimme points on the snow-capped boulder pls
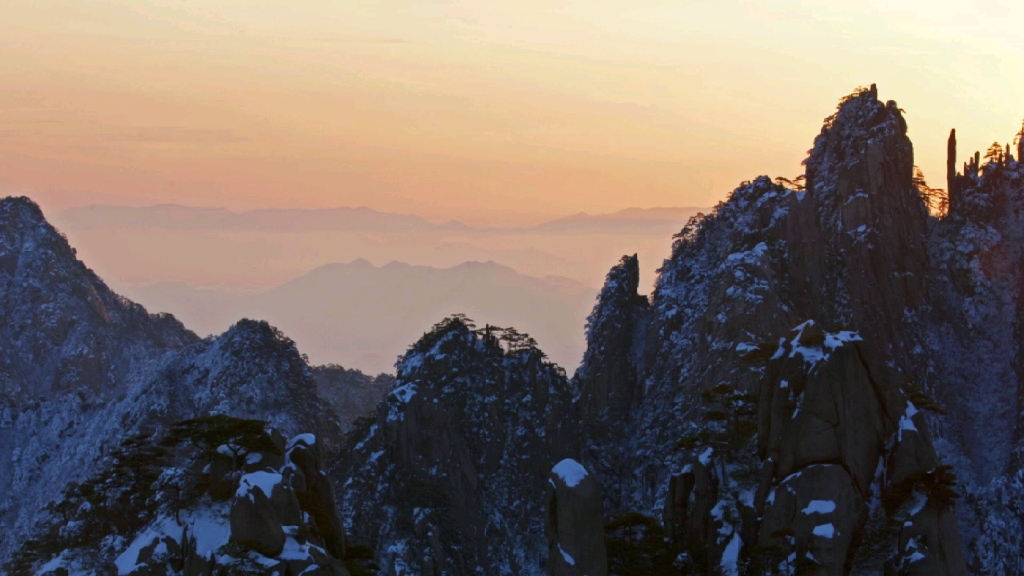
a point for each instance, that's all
(254, 523)
(574, 522)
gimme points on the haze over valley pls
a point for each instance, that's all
(354, 286)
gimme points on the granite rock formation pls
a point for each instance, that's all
(574, 522)
(448, 476)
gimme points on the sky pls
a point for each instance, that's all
(488, 112)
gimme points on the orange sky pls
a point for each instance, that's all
(484, 111)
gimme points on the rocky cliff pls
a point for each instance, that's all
(83, 369)
(448, 476)
(791, 360)
(214, 495)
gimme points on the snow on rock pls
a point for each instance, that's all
(824, 530)
(730, 557)
(565, 556)
(305, 439)
(128, 561)
(820, 507)
(261, 479)
(570, 471)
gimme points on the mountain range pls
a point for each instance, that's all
(361, 315)
(825, 380)
(254, 251)
(362, 219)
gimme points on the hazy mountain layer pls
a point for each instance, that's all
(364, 316)
(253, 251)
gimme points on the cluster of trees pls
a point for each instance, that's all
(935, 199)
(731, 416)
(636, 546)
(511, 340)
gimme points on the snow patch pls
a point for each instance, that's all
(307, 439)
(820, 507)
(906, 420)
(129, 559)
(824, 530)
(570, 471)
(565, 556)
(730, 557)
(263, 480)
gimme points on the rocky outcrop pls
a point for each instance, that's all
(975, 340)
(279, 518)
(842, 439)
(687, 514)
(574, 523)
(850, 251)
(448, 476)
(82, 369)
(63, 330)
(607, 376)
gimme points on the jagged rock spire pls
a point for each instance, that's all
(951, 184)
(607, 377)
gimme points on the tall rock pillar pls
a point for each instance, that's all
(951, 188)
(607, 377)
(575, 523)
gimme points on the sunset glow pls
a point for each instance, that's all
(483, 111)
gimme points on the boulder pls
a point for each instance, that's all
(692, 495)
(575, 522)
(223, 480)
(254, 524)
(814, 514)
(286, 505)
(929, 545)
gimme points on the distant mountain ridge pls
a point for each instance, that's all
(362, 219)
(361, 315)
(175, 216)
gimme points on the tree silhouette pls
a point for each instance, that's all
(994, 154)
(636, 546)
(239, 435)
(798, 183)
(730, 414)
(1018, 140)
(935, 199)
